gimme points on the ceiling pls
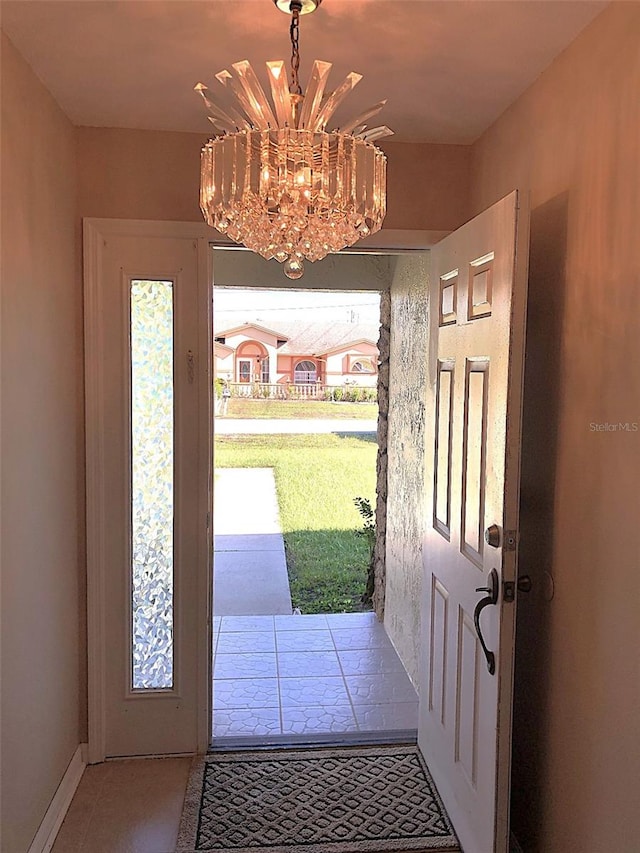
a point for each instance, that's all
(448, 68)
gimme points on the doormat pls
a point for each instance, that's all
(342, 800)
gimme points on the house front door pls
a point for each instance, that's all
(478, 298)
(244, 370)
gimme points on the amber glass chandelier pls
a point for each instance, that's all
(274, 178)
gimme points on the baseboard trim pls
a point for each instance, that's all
(55, 814)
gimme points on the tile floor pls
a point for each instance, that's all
(278, 677)
(131, 806)
(300, 675)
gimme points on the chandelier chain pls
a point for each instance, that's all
(294, 31)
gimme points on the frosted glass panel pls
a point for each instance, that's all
(152, 483)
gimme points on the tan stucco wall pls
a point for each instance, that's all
(42, 444)
(405, 451)
(573, 140)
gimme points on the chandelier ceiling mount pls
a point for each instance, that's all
(274, 178)
(305, 6)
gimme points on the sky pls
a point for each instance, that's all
(265, 306)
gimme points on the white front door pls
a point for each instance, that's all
(148, 463)
(478, 298)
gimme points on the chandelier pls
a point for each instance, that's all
(275, 179)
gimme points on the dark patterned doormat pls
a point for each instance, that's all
(342, 800)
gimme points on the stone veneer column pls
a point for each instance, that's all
(381, 481)
(400, 582)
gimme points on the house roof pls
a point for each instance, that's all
(222, 348)
(309, 338)
(225, 333)
(348, 345)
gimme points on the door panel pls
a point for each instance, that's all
(150, 534)
(478, 291)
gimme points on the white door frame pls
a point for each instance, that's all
(96, 233)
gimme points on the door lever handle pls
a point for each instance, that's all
(492, 590)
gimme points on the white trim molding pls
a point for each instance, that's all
(96, 235)
(52, 821)
(94, 440)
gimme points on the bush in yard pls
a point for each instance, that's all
(369, 531)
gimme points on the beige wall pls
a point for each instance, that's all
(405, 454)
(139, 174)
(41, 451)
(428, 185)
(573, 140)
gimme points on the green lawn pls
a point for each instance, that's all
(317, 478)
(239, 408)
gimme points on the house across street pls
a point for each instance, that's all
(301, 354)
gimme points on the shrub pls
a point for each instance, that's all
(367, 513)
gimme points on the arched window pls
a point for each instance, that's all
(304, 373)
(363, 365)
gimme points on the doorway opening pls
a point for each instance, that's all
(299, 654)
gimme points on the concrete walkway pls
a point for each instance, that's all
(250, 570)
(270, 426)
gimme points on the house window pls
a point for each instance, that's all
(264, 370)
(363, 365)
(152, 484)
(304, 373)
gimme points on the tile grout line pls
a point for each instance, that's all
(275, 643)
(344, 679)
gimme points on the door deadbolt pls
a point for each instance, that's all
(492, 536)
